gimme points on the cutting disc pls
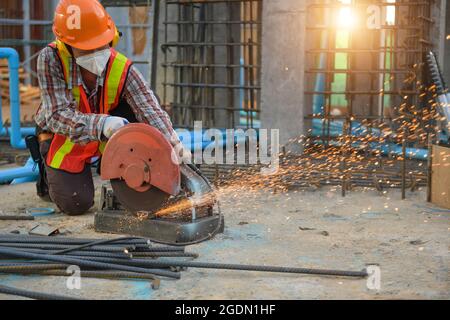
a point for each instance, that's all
(151, 200)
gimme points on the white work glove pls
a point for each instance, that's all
(112, 124)
(181, 154)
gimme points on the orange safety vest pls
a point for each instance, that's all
(63, 153)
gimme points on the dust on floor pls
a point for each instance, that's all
(409, 239)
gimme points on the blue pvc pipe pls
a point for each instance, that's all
(14, 96)
(29, 170)
(385, 148)
(199, 142)
(357, 129)
(6, 132)
(395, 149)
(24, 131)
(30, 178)
(337, 126)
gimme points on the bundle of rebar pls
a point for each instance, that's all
(52, 256)
(120, 258)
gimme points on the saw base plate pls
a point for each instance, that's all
(158, 230)
(113, 218)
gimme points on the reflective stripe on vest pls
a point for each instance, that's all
(115, 78)
(101, 147)
(63, 153)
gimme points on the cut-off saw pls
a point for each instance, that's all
(151, 194)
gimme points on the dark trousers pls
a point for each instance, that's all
(73, 193)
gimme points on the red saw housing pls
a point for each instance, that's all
(141, 156)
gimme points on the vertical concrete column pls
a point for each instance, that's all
(438, 30)
(283, 59)
(226, 55)
(27, 37)
(445, 40)
(447, 43)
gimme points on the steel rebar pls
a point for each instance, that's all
(84, 262)
(164, 254)
(62, 240)
(101, 254)
(30, 267)
(63, 243)
(108, 274)
(32, 294)
(80, 253)
(58, 246)
(16, 217)
(94, 243)
(208, 265)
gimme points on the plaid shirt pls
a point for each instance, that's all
(58, 111)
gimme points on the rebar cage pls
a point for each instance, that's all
(366, 90)
(364, 64)
(211, 62)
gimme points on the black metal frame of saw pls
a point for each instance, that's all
(112, 218)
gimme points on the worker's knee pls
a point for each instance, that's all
(72, 193)
(76, 204)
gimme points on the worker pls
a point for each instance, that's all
(88, 92)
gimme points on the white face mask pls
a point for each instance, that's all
(95, 62)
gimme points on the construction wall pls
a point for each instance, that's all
(135, 42)
(447, 44)
(11, 9)
(17, 36)
(283, 59)
(209, 62)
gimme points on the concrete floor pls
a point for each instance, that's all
(409, 239)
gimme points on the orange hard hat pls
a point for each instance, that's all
(83, 24)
